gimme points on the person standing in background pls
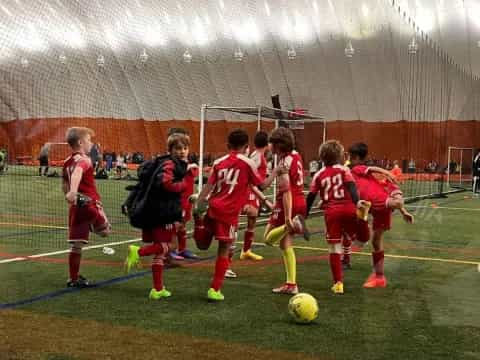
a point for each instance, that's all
(43, 158)
(476, 173)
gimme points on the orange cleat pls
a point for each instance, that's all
(375, 281)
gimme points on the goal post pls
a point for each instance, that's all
(459, 167)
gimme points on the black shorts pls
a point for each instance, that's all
(43, 160)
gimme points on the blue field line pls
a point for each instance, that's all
(58, 293)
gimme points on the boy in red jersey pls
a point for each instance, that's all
(85, 211)
(226, 191)
(253, 202)
(290, 208)
(340, 201)
(165, 204)
(385, 197)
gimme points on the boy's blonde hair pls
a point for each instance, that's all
(331, 152)
(178, 139)
(77, 133)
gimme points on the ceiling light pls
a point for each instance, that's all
(24, 62)
(144, 56)
(413, 46)
(349, 50)
(100, 61)
(238, 55)
(187, 57)
(62, 58)
(291, 53)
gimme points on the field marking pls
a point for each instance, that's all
(439, 207)
(35, 225)
(407, 257)
(23, 258)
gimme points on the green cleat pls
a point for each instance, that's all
(157, 295)
(213, 295)
(133, 259)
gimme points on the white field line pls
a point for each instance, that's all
(439, 207)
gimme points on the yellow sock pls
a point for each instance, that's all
(276, 234)
(290, 262)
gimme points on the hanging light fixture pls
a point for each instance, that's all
(349, 50)
(187, 57)
(24, 62)
(413, 46)
(100, 61)
(144, 56)
(238, 55)
(62, 58)
(291, 53)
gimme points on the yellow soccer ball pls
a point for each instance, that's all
(303, 308)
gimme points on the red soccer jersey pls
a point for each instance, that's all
(330, 182)
(293, 163)
(231, 177)
(87, 183)
(189, 179)
(260, 163)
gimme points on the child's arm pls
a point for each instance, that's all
(261, 196)
(75, 179)
(409, 218)
(384, 172)
(167, 177)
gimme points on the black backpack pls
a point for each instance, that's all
(147, 205)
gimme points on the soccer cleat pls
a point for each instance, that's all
(362, 212)
(81, 282)
(174, 255)
(213, 295)
(250, 255)
(133, 259)
(300, 226)
(337, 288)
(187, 254)
(291, 289)
(157, 295)
(230, 274)
(375, 280)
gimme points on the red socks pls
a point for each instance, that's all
(157, 273)
(336, 267)
(377, 257)
(248, 240)
(221, 267)
(182, 240)
(148, 250)
(74, 258)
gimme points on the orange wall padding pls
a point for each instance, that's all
(394, 140)
(26, 137)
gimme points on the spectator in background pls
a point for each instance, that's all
(95, 156)
(313, 167)
(43, 158)
(476, 173)
(108, 161)
(396, 171)
(3, 161)
(411, 166)
(120, 164)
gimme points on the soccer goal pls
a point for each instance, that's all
(459, 168)
(253, 118)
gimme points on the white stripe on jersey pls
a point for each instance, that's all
(248, 161)
(220, 159)
(317, 174)
(255, 156)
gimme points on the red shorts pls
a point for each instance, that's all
(363, 231)
(339, 222)
(86, 219)
(252, 200)
(382, 219)
(159, 234)
(278, 215)
(220, 230)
